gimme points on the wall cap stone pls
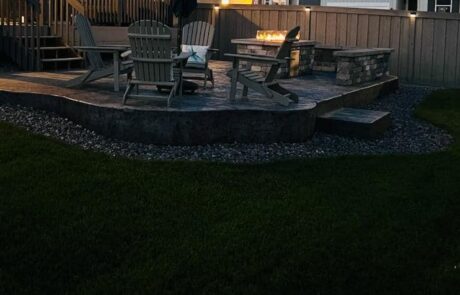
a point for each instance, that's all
(363, 52)
(331, 47)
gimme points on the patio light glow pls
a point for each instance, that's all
(225, 2)
(413, 14)
(307, 8)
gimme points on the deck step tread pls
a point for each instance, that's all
(354, 122)
(63, 59)
(54, 47)
(41, 37)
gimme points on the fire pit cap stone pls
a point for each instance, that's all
(363, 52)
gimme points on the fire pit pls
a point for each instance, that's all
(267, 43)
(272, 35)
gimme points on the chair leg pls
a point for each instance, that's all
(211, 77)
(279, 98)
(79, 81)
(172, 93)
(278, 88)
(234, 82)
(127, 92)
(245, 93)
(181, 86)
(205, 79)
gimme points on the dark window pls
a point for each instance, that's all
(443, 5)
(444, 2)
(412, 5)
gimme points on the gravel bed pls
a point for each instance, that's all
(408, 135)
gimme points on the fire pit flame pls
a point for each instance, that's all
(272, 35)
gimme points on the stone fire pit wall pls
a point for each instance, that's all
(325, 61)
(302, 56)
(362, 65)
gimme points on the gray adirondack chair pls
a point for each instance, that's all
(97, 68)
(266, 85)
(154, 63)
(202, 34)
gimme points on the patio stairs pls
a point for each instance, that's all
(354, 122)
(54, 54)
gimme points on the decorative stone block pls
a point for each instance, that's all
(361, 65)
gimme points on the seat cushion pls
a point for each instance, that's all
(199, 55)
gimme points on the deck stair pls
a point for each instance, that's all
(54, 55)
(38, 35)
(354, 122)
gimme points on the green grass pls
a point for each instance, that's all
(79, 222)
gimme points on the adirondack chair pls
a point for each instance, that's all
(97, 68)
(266, 85)
(199, 33)
(154, 63)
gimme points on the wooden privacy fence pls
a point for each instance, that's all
(426, 45)
(118, 12)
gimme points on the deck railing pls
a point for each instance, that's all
(23, 23)
(124, 12)
(57, 17)
(20, 32)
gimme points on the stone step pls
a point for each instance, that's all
(354, 122)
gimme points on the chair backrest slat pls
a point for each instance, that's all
(86, 36)
(198, 33)
(151, 50)
(283, 52)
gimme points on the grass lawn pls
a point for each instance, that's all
(79, 222)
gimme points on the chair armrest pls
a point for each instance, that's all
(126, 54)
(210, 53)
(182, 56)
(254, 58)
(109, 49)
